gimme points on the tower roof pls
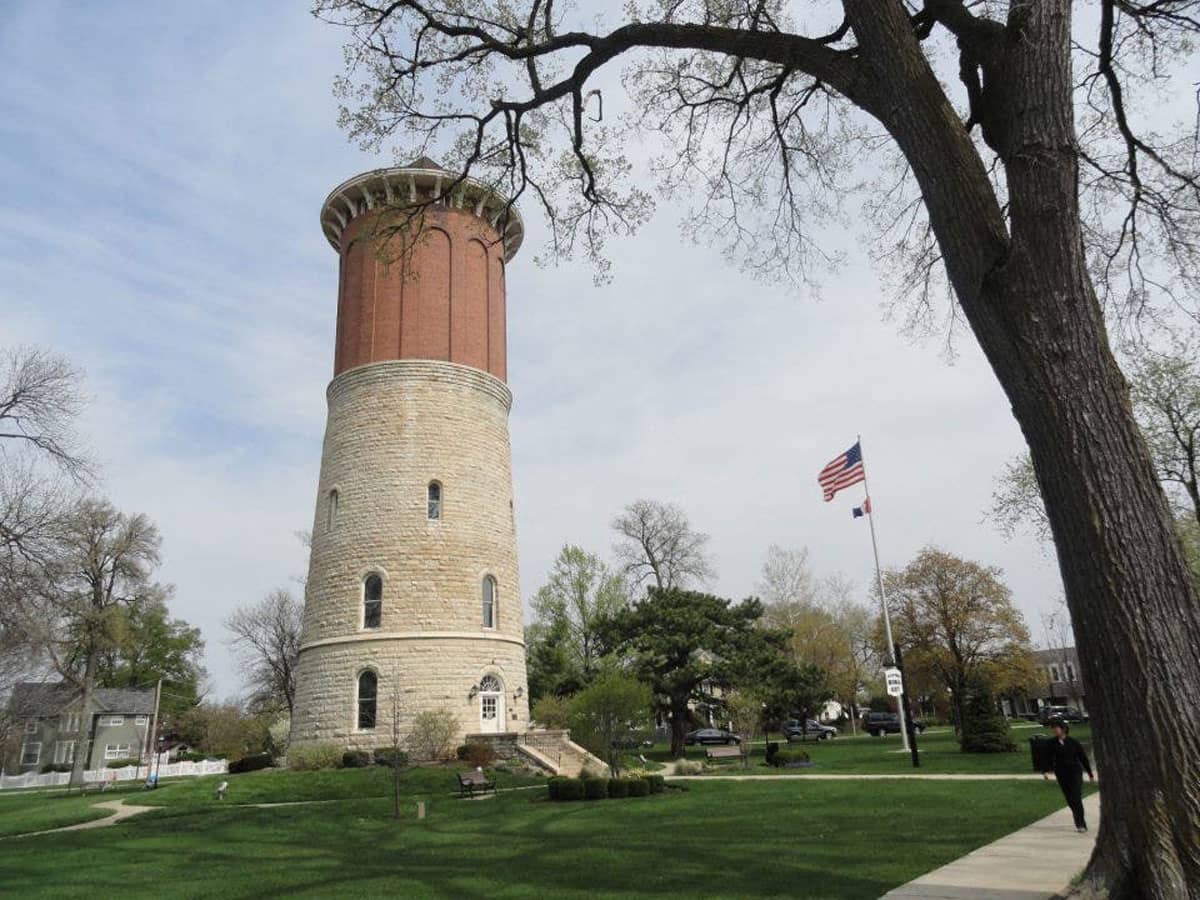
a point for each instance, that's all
(423, 177)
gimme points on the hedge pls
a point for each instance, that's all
(308, 757)
(791, 759)
(391, 757)
(56, 767)
(251, 763)
(121, 764)
(563, 789)
(356, 759)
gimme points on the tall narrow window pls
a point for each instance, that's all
(435, 500)
(372, 601)
(331, 510)
(489, 602)
(368, 689)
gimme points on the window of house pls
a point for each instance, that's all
(489, 602)
(1070, 672)
(331, 510)
(31, 726)
(64, 752)
(368, 689)
(142, 720)
(31, 753)
(116, 751)
(435, 500)
(112, 720)
(70, 723)
(372, 601)
(1054, 673)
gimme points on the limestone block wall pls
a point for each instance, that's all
(393, 428)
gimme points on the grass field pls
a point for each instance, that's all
(881, 756)
(721, 839)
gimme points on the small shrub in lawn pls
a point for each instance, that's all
(480, 756)
(688, 767)
(772, 749)
(251, 763)
(310, 757)
(356, 759)
(569, 789)
(56, 767)
(595, 788)
(657, 783)
(121, 763)
(792, 759)
(391, 757)
(554, 787)
(638, 787)
(619, 787)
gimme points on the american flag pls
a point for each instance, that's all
(844, 471)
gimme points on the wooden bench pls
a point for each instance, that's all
(471, 782)
(729, 752)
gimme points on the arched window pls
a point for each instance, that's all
(490, 684)
(372, 601)
(435, 500)
(368, 690)
(331, 510)
(489, 602)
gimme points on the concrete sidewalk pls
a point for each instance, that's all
(1035, 863)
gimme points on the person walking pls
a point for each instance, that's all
(1070, 762)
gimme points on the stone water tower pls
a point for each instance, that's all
(412, 601)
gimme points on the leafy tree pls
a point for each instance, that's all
(1017, 160)
(266, 637)
(550, 669)
(613, 706)
(787, 580)
(579, 595)
(747, 718)
(150, 645)
(958, 625)
(682, 642)
(225, 730)
(552, 712)
(984, 728)
(657, 544)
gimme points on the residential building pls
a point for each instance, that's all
(1059, 683)
(53, 727)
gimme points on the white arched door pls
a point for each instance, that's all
(491, 705)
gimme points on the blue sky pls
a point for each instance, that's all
(162, 167)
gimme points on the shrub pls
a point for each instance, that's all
(121, 763)
(391, 757)
(688, 767)
(193, 756)
(432, 733)
(477, 754)
(619, 787)
(657, 783)
(772, 749)
(356, 759)
(56, 767)
(638, 787)
(310, 757)
(251, 763)
(791, 758)
(595, 788)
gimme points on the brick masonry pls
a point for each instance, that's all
(393, 427)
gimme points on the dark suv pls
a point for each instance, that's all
(1068, 714)
(877, 724)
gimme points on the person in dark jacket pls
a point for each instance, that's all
(1070, 762)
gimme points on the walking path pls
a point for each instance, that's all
(1035, 863)
(121, 811)
(830, 776)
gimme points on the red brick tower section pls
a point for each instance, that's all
(440, 296)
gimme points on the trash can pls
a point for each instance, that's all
(1041, 752)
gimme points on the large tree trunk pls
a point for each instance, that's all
(1031, 304)
(679, 723)
(83, 749)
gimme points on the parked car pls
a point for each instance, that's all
(807, 730)
(711, 736)
(1069, 714)
(878, 724)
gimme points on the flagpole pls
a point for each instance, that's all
(887, 619)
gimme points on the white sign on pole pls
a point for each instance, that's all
(895, 683)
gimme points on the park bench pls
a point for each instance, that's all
(470, 782)
(715, 753)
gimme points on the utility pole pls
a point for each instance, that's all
(152, 734)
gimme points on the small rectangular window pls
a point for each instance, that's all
(31, 753)
(142, 720)
(112, 721)
(116, 751)
(31, 726)
(435, 500)
(70, 723)
(64, 752)
(331, 510)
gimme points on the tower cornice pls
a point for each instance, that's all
(403, 187)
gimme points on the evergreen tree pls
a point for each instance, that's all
(984, 728)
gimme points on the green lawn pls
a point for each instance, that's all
(721, 839)
(39, 810)
(882, 756)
